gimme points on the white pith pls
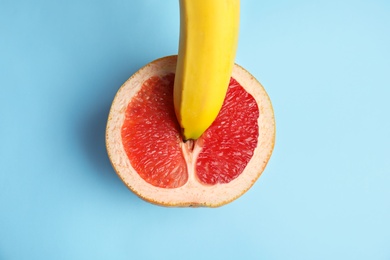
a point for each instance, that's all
(193, 193)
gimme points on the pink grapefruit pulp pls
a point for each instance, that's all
(147, 150)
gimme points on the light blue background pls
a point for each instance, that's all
(324, 195)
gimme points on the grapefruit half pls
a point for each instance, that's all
(147, 150)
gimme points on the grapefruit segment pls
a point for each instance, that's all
(150, 134)
(228, 144)
(147, 151)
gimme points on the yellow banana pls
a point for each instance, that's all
(207, 49)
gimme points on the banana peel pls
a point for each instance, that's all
(207, 48)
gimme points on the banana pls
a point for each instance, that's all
(207, 49)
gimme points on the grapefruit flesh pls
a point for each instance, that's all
(228, 144)
(150, 134)
(152, 140)
(147, 151)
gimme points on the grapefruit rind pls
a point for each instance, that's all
(193, 193)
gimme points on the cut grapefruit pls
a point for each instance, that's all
(147, 150)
